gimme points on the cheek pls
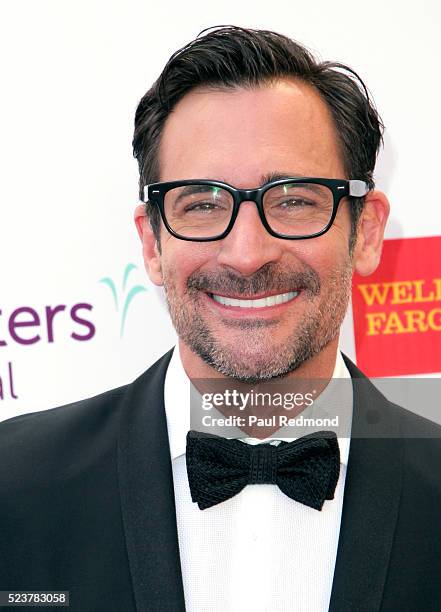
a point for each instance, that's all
(325, 254)
(182, 258)
(342, 222)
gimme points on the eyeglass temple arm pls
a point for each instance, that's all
(146, 193)
(357, 188)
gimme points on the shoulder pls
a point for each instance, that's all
(418, 438)
(62, 441)
(65, 415)
(412, 424)
(421, 448)
(40, 445)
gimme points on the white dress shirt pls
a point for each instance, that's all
(260, 550)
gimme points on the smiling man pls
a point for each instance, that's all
(258, 204)
(247, 136)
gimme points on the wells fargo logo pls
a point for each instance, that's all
(397, 310)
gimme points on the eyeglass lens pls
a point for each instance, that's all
(204, 211)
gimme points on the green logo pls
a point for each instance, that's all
(124, 298)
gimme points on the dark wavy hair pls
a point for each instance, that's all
(228, 57)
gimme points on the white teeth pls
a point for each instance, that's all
(272, 300)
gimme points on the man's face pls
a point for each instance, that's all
(241, 137)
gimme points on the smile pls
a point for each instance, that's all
(271, 300)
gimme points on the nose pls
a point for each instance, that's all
(249, 246)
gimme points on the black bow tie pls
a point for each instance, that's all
(306, 469)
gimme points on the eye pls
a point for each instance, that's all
(290, 204)
(297, 198)
(295, 203)
(203, 206)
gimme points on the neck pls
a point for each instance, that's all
(311, 376)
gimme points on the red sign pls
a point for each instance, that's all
(397, 310)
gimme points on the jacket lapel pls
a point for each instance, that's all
(147, 495)
(371, 501)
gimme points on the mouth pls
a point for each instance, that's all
(252, 302)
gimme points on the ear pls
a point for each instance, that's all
(150, 251)
(367, 251)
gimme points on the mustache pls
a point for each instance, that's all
(269, 277)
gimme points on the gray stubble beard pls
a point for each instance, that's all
(312, 333)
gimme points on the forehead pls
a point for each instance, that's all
(238, 135)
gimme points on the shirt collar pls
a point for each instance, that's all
(177, 405)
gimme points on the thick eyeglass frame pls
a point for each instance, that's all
(340, 188)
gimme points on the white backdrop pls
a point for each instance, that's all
(72, 75)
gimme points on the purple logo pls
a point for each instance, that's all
(26, 325)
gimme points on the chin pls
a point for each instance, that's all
(252, 365)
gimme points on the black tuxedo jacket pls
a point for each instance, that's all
(87, 506)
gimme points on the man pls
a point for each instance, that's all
(256, 164)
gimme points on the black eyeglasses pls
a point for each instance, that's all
(292, 208)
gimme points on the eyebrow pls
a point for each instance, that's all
(281, 176)
(269, 177)
(277, 176)
(192, 189)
